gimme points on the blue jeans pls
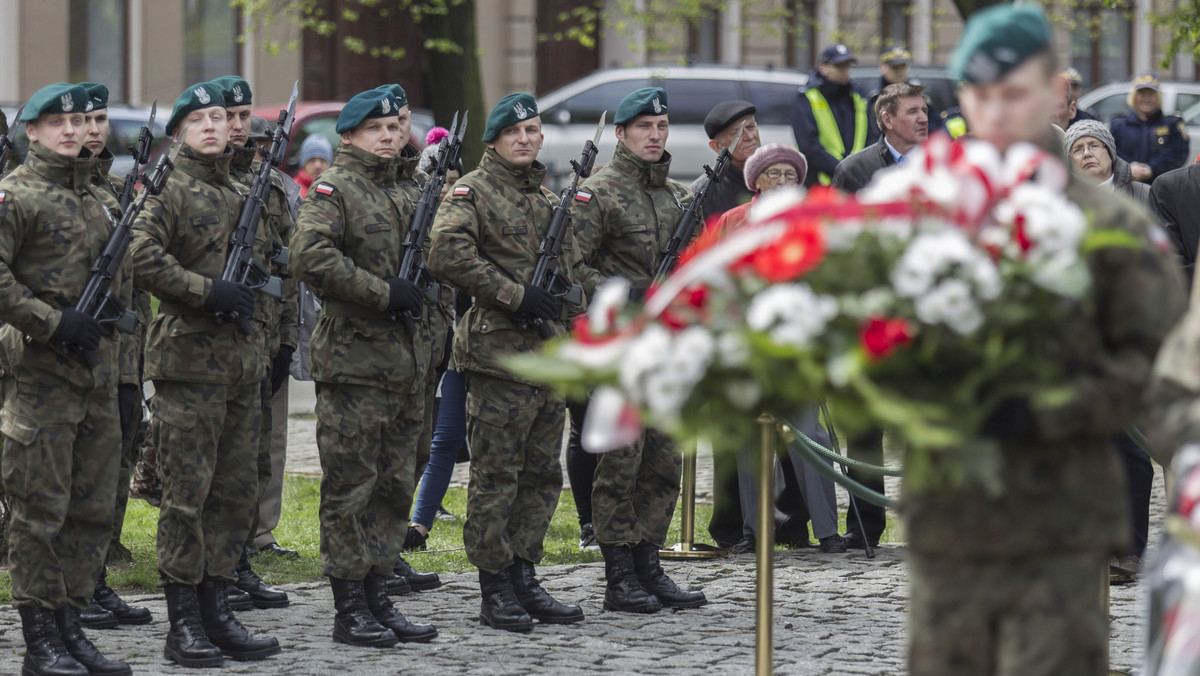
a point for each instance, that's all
(449, 433)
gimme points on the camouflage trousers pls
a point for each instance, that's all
(1028, 617)
(366, 437)
(207, 441)
(635, 490)
(515, 433)
(60, 460)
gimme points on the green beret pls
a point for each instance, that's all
(365, 106)
(59, 97)
(98, 93)
(508, 111)
(997, 40)
(645, 101)
(235, 91)
(396, 91)
(197, 97)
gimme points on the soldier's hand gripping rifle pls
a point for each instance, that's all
(686, 227)
(98, 300)
(141, 155)
(7, 145)
(412, 265)
(240, 266)
(547, 276)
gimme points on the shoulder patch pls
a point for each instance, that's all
(462, 190)
(3, 196)
(584, 197)
(324, 189)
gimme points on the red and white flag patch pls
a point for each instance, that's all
(3, 196)
(324, 188)
(462, 190)
(584, 197)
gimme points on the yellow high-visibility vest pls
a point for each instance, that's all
(827, 129)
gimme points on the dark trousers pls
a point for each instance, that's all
(866, 447)
(581, 465)
(1140, 474)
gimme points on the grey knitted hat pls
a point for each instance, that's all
(1096, 130)
(773, 153)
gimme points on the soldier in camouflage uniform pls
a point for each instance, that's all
(485, 242)
(1018, 591)
(275, 318)
(207, 376)
(625, 213)
(61, 437)
(369, 360)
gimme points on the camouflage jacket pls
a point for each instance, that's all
(485, 242)
(1064, 492)
(349, 240)
(624, 215)
(53, 226)
(180, 242)
(277, 317)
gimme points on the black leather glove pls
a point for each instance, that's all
(1012, 421)
(280, 367)
(404, 296)
(229, 297)
(539, 304)
(77, 329)
(129, 405)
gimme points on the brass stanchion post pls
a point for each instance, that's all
(687, 548)
(764, 646)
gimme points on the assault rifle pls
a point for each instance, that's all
(6, 142)
(686, 227)
(141, 155)
(546, 276)
(240, 266)
(98, 300)
(412, 265)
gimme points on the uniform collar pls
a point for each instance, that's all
(652, 174)
(207, 168)
(242, 160)
(375, 168)
(527, 179)
(60, 169)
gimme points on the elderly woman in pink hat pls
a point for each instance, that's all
(771, 166)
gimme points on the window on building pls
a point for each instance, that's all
(802, 35)
(210, 39)
(1101, 42)
(704, 39)
(97, 46)
(893, 19)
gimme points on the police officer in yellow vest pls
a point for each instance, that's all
(830, 116)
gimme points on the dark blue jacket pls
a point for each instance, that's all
(805, 127)
(1161, 141)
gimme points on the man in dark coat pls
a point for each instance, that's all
(1173, 198)
(903, 115)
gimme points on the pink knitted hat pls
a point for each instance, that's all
(773, 153)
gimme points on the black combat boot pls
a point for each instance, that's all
(397, 585)
(418, 581)
(45, 654)
(386, 614)
(654, 580)
(82, 649)
(261, 595)
(238, 599)
(187, 644)
(500, 608)
(106, 598)
(96, 616)
(354, 624)
(225, 631)
(623, 591)
(536, 601)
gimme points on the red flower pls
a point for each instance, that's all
(1021, 235)
(800, 249)
(880, 337)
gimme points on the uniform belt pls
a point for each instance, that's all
(335, 308)
(170, 307)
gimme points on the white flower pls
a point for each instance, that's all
(842, 236)
(791, 313)
(912, 277)
(950, 303)
(1052, 223)
(644, 354)
(744, 393)
(986, 277)
(665, 395)
(611, 422)
(732, 350)
(608, 300)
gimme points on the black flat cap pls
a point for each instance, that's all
(724, 114)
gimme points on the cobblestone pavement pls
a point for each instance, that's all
(834, 614)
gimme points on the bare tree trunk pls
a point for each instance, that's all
(454, 81)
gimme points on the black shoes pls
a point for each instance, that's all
(587, 538)
(413, 540)
(96, 616)
(282, 552)
(537, 602)
(187, 644)
(224, 630)
(45, 652)
(499, 608)
(238, 599)
(418, 581)
(744, 546)
(833, 544)
(354, 624)
(81, 648)
(655, 581)
(855, 540)
(623, 592)
(107, 599)
(386, 614)
(261, 595)
(397, 585)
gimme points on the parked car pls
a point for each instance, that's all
(570, 113)
(938, 83)
(124, 124)
(320, 117)
(1179, 98)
